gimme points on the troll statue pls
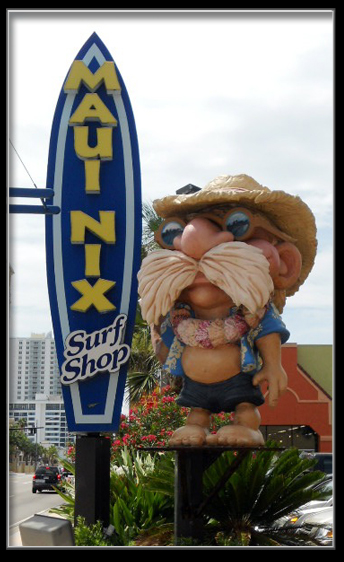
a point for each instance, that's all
(230, 255)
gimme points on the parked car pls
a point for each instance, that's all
(55, 469)
(314, 518)
(45, 478)
(324, 460)
(311, 506)
(66, 475)
(317, 524)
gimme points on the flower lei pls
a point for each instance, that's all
(212, 333)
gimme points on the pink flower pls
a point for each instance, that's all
(202, 335)
(126, 439)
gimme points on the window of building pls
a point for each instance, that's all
(301, 436)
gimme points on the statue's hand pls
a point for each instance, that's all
(277, 380)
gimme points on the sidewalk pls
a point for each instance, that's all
(14, 538)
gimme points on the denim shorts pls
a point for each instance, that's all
(221, 396)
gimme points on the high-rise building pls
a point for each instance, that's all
(47, 415)
(33, 367)
(35, 390)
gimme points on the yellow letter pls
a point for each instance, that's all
(79, 72)
(103, 150)
(104, 229)
(92, 108)
(93, 295)
(92, 184)
(92, 259)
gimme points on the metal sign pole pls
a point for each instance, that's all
(92, 479)
(188, 494)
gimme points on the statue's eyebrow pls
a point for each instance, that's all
(218, 211)
(221, 210)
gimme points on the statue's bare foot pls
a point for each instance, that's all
(236, 435)
(188, 435)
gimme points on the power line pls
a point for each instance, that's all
(27, 171)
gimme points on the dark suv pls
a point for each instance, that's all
(45, 478)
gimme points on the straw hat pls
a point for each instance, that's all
(288, 212)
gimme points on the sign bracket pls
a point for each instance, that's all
(43, 194)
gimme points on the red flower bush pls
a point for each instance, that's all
(151, 422)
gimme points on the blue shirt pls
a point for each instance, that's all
(249, 357)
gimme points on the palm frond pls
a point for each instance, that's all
(139, 383)
(144, 367)
(151, 223)
(264, 488)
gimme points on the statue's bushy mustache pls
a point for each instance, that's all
(240, 270)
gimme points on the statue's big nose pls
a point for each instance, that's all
(199, 236)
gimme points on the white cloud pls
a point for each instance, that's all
(309, 325)
(317, 291)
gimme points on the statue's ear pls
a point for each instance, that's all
(290, 265)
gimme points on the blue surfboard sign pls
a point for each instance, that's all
(93, 246)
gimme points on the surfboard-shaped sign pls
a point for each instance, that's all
(93, 245)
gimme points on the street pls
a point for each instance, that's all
(22, 503)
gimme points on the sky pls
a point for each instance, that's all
(213, 92)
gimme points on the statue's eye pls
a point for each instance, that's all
(169, 231)
(238, 223)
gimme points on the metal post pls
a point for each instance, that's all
(36, 451)
(188, 494)
(92, 479)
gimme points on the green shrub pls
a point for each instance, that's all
(134, 508)
(90, 535)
